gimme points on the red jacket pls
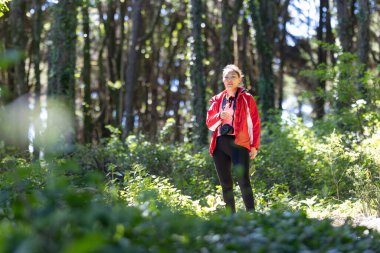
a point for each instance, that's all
(246, 122)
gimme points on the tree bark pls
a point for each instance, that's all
(62, 56)
(37, 31)
(364, 19)
(113, 68)
(285, 19)
(132, 66)
(229, 16)
(86, 74)
(197, 75)
(263, 14)
(345, 24)
(322, 58)
(17, 24)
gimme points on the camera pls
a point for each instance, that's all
(226, 129)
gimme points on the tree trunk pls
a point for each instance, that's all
(322, 59)
(62, 56)
(285, 18)
(229, 14)
(154, 91)
(120, 63)
(363, 33)
(17, 24)
(86, 74)
(102, 120)
(263, 14)
(110, 27)
(345, 24)
(17, 18)
(132, 64)
(197, 75)
(37, 31)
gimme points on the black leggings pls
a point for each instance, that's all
(226, 151)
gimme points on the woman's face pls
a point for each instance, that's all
(231, 80)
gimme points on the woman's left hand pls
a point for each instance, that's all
(253, 153)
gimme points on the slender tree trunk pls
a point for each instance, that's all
(102, 120)
(105, 116)
(132, 66)
(120, 62)
(330, 38)
(18, 20)
(322, 59)
(285, 18)
(197, 75)
(178, 137)
(243, 50)
(86, 74)
(154, 91)
(113, 69)
(264, 15)
(37, 31)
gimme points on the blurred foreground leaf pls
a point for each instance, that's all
(10, 57)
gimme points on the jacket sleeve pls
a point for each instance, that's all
(213, 120)
(255, 118)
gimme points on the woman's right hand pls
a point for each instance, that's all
(224, 114)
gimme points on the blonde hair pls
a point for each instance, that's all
(232, 67)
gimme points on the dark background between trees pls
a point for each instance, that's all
(133, 64)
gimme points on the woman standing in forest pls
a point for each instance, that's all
(234, 118)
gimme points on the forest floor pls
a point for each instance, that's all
(371, 222)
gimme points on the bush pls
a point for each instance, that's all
(64, 217)
(305, 163)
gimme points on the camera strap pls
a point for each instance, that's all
(233, 107)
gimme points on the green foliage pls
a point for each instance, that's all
(354, 95)
(366, 179)
(192, 173)
(3, 7)
(299, 161)
(59, 214)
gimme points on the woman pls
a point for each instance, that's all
(234, 118)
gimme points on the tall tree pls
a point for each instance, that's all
(37, 31)
(197, 74)
(264, 15)
(86, 73)
(346, 23)
(19, 40)
(132, 65)
(364, 19)
(229, 13)
(113, 69)
(322, 57)
(62, 55)
(37, 24)
(284, 15)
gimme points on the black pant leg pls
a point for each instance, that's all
(240, 160)
(223, 167)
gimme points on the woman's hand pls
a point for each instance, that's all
(253, 153)
(225, 115)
